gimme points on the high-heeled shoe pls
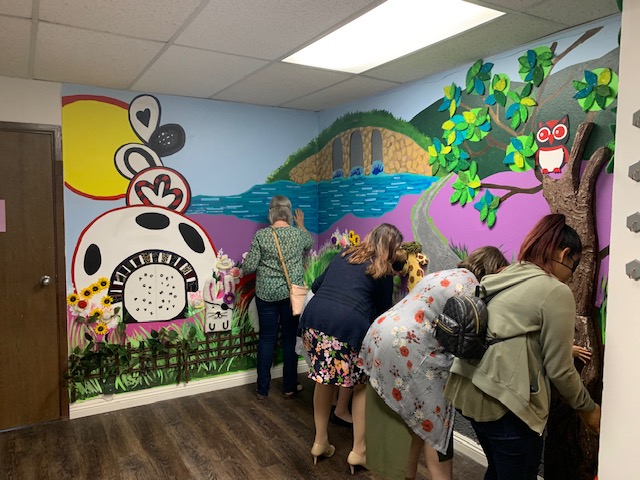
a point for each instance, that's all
(322, 451)
(354, 460)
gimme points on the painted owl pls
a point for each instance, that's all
(551, 138)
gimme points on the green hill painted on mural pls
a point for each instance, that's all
(372, 118)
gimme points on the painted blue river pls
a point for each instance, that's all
(323, 203)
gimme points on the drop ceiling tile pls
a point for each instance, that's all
(68, 54)
(148, 19)
(267, 29)
(511, 5)
(342, 93)
(575, 12)
(279, 83)
(15, 39)
(16, 8)
(506, 32)
(194, 72)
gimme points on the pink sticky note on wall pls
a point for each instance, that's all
(3, 217)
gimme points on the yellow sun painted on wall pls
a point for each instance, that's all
(93, 129)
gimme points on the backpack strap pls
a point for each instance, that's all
(481, 293)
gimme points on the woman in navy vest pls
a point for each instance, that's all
(355, 288)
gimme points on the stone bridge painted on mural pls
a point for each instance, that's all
(357, 149)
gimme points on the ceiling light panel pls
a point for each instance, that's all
(391, 30)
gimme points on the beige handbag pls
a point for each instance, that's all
(296, 292)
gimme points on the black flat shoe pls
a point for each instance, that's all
(338, 421)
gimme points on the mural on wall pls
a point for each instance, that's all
(478, 166)
(504, 147)
(144, 270)
(151, 254)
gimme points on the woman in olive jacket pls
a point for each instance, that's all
(506, 394)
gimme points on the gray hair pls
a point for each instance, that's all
(280, 209)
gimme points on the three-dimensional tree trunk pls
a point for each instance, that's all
(571, 450)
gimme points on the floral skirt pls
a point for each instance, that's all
(332, 362)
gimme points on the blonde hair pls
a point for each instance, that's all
(280, 209)
(484, 261)
(379, 247)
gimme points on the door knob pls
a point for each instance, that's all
(45, 281)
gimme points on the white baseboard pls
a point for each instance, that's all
(110, 403)
(469, 448)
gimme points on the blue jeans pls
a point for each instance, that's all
(272, 315)
(513, 450)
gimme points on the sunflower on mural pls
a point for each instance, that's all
(344, 239)
(94, 308)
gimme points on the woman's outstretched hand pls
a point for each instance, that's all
(582, 353)
(298, 217)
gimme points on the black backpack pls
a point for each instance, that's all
(461, 328)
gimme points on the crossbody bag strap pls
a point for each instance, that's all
(284, 267)
(481, 292)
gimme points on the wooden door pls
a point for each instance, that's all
(32, 308)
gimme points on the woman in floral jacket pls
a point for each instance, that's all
(408, 370)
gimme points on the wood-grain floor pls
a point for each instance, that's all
(223, 435)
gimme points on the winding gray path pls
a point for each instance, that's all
(434, 245)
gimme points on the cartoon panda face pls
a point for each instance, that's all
(152, 256)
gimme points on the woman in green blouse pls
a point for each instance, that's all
(272, 291)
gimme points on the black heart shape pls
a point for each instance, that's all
(144, 116)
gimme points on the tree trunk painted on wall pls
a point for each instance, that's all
(571, 449)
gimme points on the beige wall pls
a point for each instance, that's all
(29, 101)
(620, 415)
